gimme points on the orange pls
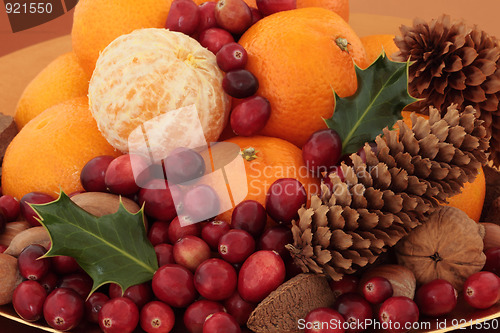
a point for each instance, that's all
(340, 7)
(299, 59)
(375, 43)
(48, 154)
(471, 200)
(97, 23)
(274, 159)
(250, 3)
(61, 80)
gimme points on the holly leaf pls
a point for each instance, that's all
(111, 248)
(381, 96)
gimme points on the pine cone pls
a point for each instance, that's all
(380, 201)
(454, 63)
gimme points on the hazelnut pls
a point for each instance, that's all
(492, 235)
(9, 277)
(35, 235)
(401, 278)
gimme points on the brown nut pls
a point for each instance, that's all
(11, 230)
(9, 277)
(35, 235)
(492, 235)
(100, 204)
(401, 278)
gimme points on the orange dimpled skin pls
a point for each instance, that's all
(375, 43)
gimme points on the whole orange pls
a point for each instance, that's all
(97, 23)
(273, 159)
(48, 154)
(375, 43)
(61, 80)
(300, 57)
(340, 7)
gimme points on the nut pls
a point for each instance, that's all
(401, 278)
(100, 204)
(9, 277)
(35, 235)
(11, 230)
(492, 235)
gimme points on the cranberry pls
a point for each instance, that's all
(215, 38)
(292, 269)
(173, 284)
(215, 279)
(377, 289)
(207, 15)
(160, 199)
(63, 309)
(3, 223)
(482, 290)
(119, 315)
(284, 198)
(10, 207)
(2, 247)
(158, 233)
(275, 239)
(176, 231)
(268, 7)
(30, 266)
(398, 313)
(65, 265)
(184, 165)
(50, 281)
(201, 203)
(183, 16)
(197, 313)
(239, 308)
(79, 282)
(233, 15)
(436, 298)
(240, 83)
(492, 260)
(355, 309)
(28, 299)
(140, 294)
(260, 274)
(251, 216)
(213, 231)
(250, 116)
(348, 284)
(190, 252)
(232, 56)
(315, 318)
(93, 305)
(121, 174)
(33, 198)
(256, 15)
(164, 254)
(157, 317)
(221, 322)
(322, 150)
(236, 246)
(92, 175)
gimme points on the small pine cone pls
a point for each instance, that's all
(454, 63)
(380, 201)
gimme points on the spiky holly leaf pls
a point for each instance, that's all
(111, 248)
(381, 96)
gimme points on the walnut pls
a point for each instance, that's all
(449, 245)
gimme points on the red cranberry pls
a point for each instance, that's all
(164, 254)
(275, 239)
(250, 116)
(10, 207)
(158, 233)
(2, 247)
(49, 282)
(239, 308)
(3, 223)
(140, 294)
(63, 309)
(119, 315)
(176, 231)
(65, 265)
(232, 56)
(284, 198)
(92, 175)
(314, 320)
(197, 313)
(79, 282)
(436, 298)
(292, 269)
(256, 15)
(190, 252)
(355, 309)
(30, 266)
(160, 199)
(482, 290)
(93, 305)
(221, 322)
(28, 299)
(121, 174)
(492, 260)
(213, 231)
(215, 38)
(240, 83)
(260, 274)
(201, 203)
(173, 284)
(348, 284)
(236, 246)
(215, 279)
(33, 198)
(398, 313)
(377, 289)
(268, 7)
(183, 16)
(184, 165)
(251, 216)
(322, 150)
(157, 317)
(207, 15)
(233, 15)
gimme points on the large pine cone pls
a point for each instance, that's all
(380, 201)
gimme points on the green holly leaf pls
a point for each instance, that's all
(111, 248)
(381, 96)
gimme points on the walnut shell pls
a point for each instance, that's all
(449, 245)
